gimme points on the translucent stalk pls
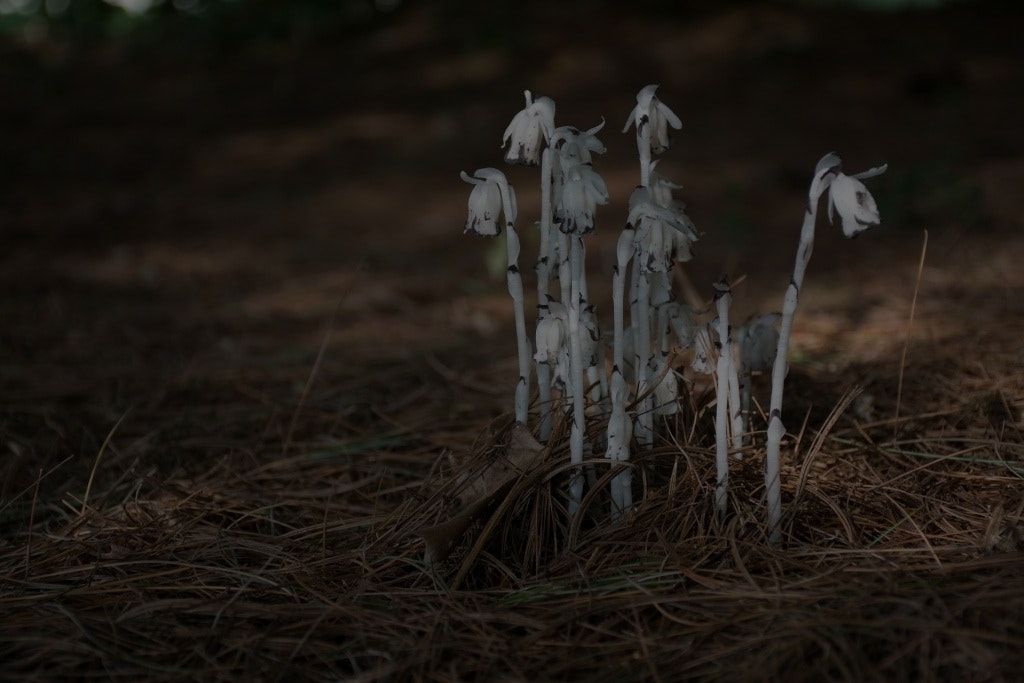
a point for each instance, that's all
(575, 369)
(515, 289)
(723, 298)
(543, 278)
(776, 430)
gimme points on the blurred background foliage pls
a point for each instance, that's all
(231, 23)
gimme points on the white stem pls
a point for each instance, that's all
(634, 328)
(745, 409)
(515, 289)
(575, 369)
(564, 270)
(660, 292)
(622, 483)
(663, 344)
(543, 277)
(645, 420)
(772, 481)
(735, 411)
(722, 375)
(643, 148)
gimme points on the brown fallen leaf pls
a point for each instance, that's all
(480, 490)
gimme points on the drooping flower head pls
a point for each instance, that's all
(551, 333)
(848, 199)
(586, 142)
(529, 130)
(652, 117)
(580, 191)
(485, 205)
(851, 201)
(663, 235)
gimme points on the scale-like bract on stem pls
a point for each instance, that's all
(855, 207)
(652, 118)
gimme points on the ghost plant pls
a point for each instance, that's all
(651, 118)
(580, 191)
(620, 428)
(662, 236)
(853, 205)
(723, 372)
(676, 249)
(528, 138)
(491, 195)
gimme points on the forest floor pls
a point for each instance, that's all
(244, 347)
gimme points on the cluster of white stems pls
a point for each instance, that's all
(643, 382)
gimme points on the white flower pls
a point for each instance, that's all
(851, 201)
(656, 116)
(574, 144)
(582, 189)
(485, 203)
(758, 340)
(529, 129)
(551, 334)
(663, 235)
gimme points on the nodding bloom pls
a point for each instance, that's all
(485, 203)
(586, 142)
(655, 115)
(663, 235)
(582, 189)
(551, 334)
(529, 129)
(851, 201)
(705, 354)
(758, 340)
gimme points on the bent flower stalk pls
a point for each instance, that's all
(851, 202)
(491, 195)
(529, 132)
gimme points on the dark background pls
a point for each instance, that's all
(190, 193)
